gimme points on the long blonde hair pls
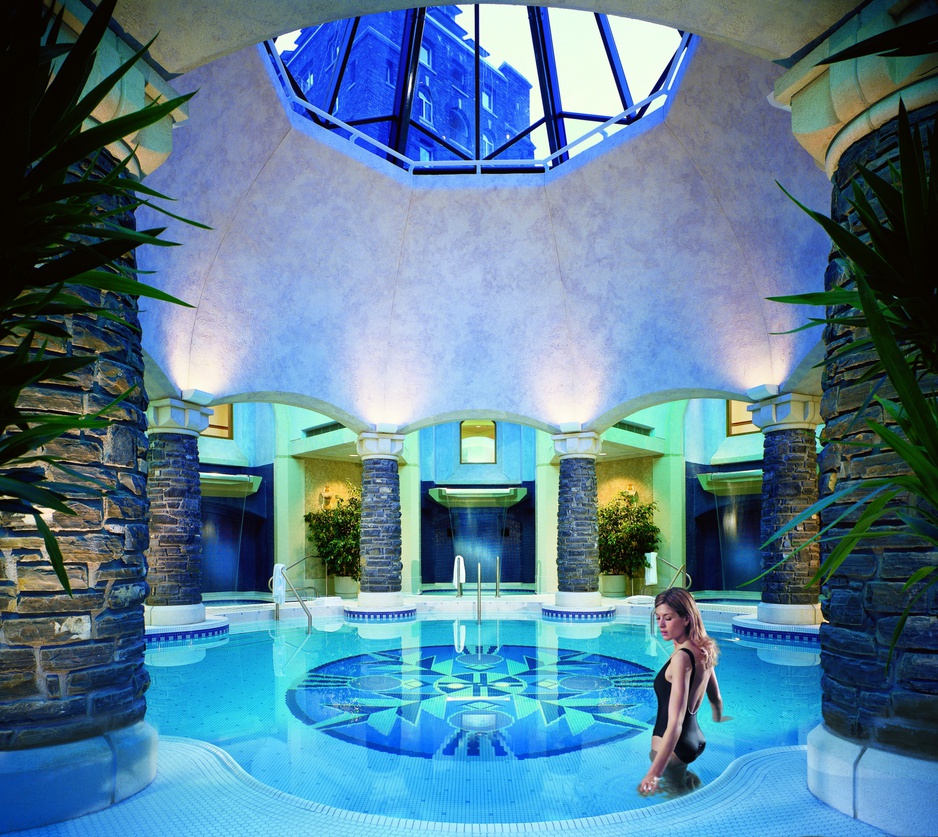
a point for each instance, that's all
(683, 604)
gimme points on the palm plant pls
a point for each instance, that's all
(61, 237)
(894, 298)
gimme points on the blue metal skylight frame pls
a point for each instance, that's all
(403, 122)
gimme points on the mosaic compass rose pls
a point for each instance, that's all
(506, 701)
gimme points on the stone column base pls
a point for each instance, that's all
(380, 601)
(564, 598)
(789, 614)
(889, 791)
(191, 614)
(43, 785)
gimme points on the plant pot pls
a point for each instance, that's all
(612, 585)
(345, 586)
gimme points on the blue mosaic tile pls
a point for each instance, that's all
(500, 702)
(184, 637)
(397, 615)
(777, 636)
(551, 615)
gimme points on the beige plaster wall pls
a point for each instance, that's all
(613, 477)
(325, 477)
(192, 33)
(337, 303)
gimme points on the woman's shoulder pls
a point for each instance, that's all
(684, 660)
(695, 653)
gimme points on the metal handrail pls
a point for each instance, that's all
(479, 595)
(678, 571)
(309, 616)
(313, 587)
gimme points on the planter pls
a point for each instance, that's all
(612, 585)
(345, 586)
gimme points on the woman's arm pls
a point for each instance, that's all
(680, 671)
(716, 699)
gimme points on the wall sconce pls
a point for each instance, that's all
(630, 490)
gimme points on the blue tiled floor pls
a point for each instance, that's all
(200, 791)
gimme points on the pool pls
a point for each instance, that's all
(457, 721)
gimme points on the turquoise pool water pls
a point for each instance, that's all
(503, 721)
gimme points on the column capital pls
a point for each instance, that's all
(788, 411)
(177, 415)
(371, 445)
(142, 85)
(834, 105)
(585, 444)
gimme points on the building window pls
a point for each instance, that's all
(488, 99)
(424, 154)
(487, 145)
(220, 424)
(459, 128)
(390, 74)
(426, 56)
(425, 107)
(477, 442)
(739, 419)
(350, 73)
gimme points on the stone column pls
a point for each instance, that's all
(789, 486)
(175, 553)
(577, 524)
(381, 565)
(874, 756)
(72, 676)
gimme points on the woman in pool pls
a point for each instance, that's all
(680, 687)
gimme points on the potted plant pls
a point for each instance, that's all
(627, 531)
(335, 531)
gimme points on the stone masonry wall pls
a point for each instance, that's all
(381, 527)
(175, 553)
(72, 668)
(789, 486)
(577, 527)
(894, 709)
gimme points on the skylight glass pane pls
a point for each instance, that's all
(428, 110)
(537, 139)
(577, 128)
(422, 146)
(370, 78)
(316, 60)
(380, 131)
(446, 82)
(587, 84)
(645, 50)
(505, 38)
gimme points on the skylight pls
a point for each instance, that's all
(478, 88)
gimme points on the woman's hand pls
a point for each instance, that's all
(648, 785)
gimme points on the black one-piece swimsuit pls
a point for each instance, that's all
(692, 742)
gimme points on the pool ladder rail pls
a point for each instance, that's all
(651, 578)
(278, 586)
(459, 576)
